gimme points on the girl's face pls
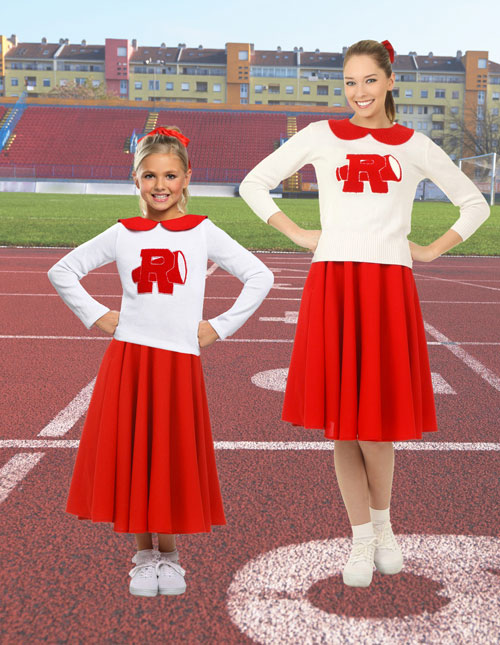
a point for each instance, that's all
(366, 86)
(161, 179)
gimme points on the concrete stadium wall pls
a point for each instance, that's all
(104, 188)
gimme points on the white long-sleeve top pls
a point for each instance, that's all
(367, 179)
(162, 268)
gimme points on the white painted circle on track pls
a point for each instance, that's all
(268, 597)
(271, 379)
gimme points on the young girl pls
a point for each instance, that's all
(146, 458)
(359, 368)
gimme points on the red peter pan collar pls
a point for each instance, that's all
(183, 223)
(395, 135)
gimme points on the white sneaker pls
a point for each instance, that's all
(170, 577)
(144, 580)
(388, 557)
(358, 571)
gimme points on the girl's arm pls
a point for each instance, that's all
(462, 192)
(66, 274)
(256, 277)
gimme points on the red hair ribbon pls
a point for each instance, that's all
(169, 133)
(390, 49)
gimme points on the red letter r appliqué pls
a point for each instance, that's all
(162, 266)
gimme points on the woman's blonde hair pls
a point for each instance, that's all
(381, 56)
(162, 144)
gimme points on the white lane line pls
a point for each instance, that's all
(211, 269)
(15, 470)
(234, 340)
(469, 284)
(68, 416)
(475, 365)
(272, 445)
(439, 385)
(117, 295)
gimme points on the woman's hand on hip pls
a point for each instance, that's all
(307, 238)
(206, 334)
(108, 322)
(421, 253)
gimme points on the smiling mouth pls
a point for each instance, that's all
(160, 198)
(364, 104)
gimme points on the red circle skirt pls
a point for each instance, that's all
(146, 459)
(360, 368)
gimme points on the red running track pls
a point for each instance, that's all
(66, 581)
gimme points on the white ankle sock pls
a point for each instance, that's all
(144, 555)
(173, 556)
(380, 516)
(363, 531)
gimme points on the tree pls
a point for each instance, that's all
(83, 91)
(473, 133)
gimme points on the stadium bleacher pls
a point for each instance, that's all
(67, 142)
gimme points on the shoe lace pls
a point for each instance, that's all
(169, 567)
(386, 539)
(363, 550)
(145, 570)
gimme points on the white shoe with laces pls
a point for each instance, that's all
(388, 557)
(144, 580)
(170, 577)
(358, 571)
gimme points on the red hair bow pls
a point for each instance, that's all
(168, 133)
(390, 49)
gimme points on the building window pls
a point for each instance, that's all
(482, 63)
(216, 87)
(481, 95)
(455, 95)
(274, 89)
(454, 110)
(14, 82)
(63, 82)
(440, 94)
(494, 111)
(408, 93)
(410, 124)
(306, 89)
(407, 109)
(337, 91)
(289, 89)
(46, 82)
(395, 92)
(258, 89)
(169, 85)
(121, 51)
(243, 101)
(453, 126)
(424, 94)
(123, 87)
(80, 81)
(201, 86)
(185, 87)
(422, 109)
(243, 55)
(138, 85)
(154, 85)
(495, 96)
(322, 90)
(96, 83)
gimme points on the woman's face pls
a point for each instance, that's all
(366, 86)
(161, 179)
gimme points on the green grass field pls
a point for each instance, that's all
(68, 220)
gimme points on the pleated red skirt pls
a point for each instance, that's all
(146, 458)
(360, 367)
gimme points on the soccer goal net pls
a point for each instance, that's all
(484, 171)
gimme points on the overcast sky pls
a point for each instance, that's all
(442, 27)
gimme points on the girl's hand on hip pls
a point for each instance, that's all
(421, 253)
(206, 334)
(307, 238)
(108, 322)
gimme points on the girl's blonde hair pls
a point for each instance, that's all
(162, 144)
(381, 56)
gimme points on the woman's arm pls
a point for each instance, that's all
(306, 238)
(433, 250)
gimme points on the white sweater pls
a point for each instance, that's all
(367, 179)
(162, 268)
